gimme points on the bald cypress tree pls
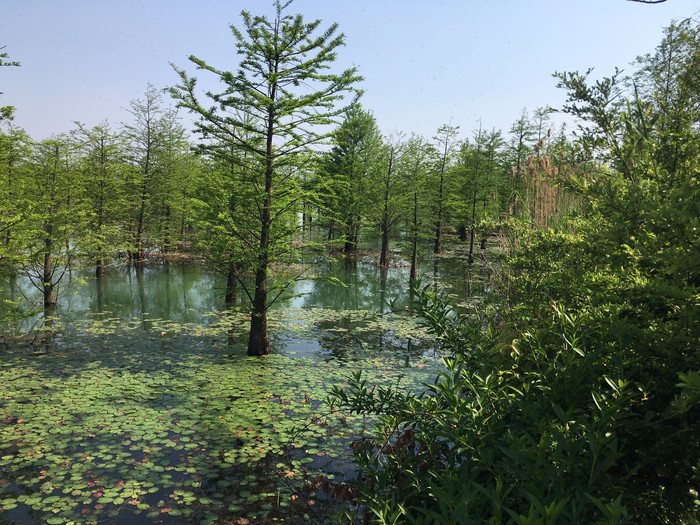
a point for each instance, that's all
(278, 104)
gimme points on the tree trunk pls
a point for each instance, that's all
(438, 223)
(166, 231)
(47, 334)
(475, 188)
(141, 228)
(384, 257)
(414, 239)
(140, 249)
(437, 248)
(473, 229)
(100, 267)
(47, 274)
(462, 233)
(231, 284)
(100, 263)
(49, 297)
(350, 247)
(382, 298)
(258, 339)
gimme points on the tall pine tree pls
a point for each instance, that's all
(276, 106)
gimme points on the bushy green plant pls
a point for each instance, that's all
(579, 403)
(535, 435)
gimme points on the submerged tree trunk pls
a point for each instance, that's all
(384, 256)
(471, 246)
(100, 294)
(258, 339)
(47, 270)
(231, 284)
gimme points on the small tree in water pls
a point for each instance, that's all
(277, 105)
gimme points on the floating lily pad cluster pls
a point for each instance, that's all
(300, 321)
(171, 424)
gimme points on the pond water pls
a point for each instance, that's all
(133, 400)
(186, 292)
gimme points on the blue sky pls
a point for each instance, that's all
(426, 62)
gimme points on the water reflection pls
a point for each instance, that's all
(188, 293)
(342, 341)
(348, 284)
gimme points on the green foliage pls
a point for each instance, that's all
(443, 153)
(6, 112)
(532, 437)
(7, 63)
(479, 178)
(15, 150)
(345, 177)
(102, 183)
(579, 403)
(157, 181)
(391, 188)
(50, 234)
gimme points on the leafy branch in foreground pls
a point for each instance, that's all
(532, 440)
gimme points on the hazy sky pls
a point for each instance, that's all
(425, 62)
